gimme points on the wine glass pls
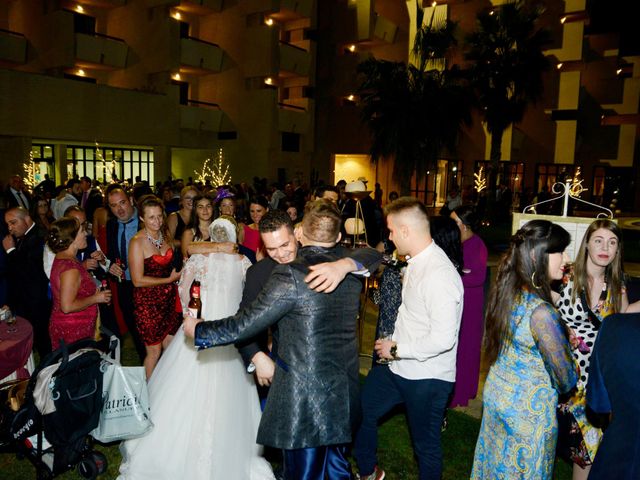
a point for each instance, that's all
(11, 322)
(384, 335)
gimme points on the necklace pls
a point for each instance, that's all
(156, 243)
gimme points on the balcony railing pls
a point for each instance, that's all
(13, 47)
(304, 8)
(201, 7)
(199, 115)
(99, 49)
(199, 55)
(294, 60)
(293, 119)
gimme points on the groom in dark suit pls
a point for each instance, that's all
(313, 403)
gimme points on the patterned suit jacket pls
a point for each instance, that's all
(314, 398)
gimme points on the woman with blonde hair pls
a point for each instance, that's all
(177, 221)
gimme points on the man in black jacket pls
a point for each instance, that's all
(313, 402)
(276, 231)
(28, 284)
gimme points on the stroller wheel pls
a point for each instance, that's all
(100, 460)
(87, 468)
(43, 474)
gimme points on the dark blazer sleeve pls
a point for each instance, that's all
(256, 279)
(277, 298)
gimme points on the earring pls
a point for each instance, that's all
(533, 281)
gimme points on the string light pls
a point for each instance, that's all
(29, 172)
(218, 173)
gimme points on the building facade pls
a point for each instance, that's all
(584, 128)
(153, 88)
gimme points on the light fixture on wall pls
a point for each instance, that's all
(177, 15)
(176, 76)
(79, 9)
(268, 21)
(80, 72)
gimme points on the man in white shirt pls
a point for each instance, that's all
(423, 347)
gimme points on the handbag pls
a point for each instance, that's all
(125, 411)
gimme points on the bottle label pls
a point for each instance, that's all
(192, 312)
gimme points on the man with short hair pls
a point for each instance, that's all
(328, 192)
(28, 284)
(90, 198)
(423, 349)
(16, 194)
(72, 192)
(120, 231)
(313, 402)
(277, 233)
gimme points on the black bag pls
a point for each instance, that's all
(77, 395)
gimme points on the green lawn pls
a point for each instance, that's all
(395, 452)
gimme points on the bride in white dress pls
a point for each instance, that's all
(204, 405)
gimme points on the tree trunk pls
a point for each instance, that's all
(494, 168)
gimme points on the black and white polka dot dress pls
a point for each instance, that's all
(575, 316)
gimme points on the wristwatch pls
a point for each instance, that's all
(393, 351)
(251, 368)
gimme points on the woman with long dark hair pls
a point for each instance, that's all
(475, 257)
(530, 358)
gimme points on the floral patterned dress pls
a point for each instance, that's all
(581, 446)
(518, 433)
(154, 308)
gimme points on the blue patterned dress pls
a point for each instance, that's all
(519, 428)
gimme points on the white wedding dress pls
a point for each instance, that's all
(204, 405)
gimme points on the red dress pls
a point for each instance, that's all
(73, 326)
(154, 308)
(252, 238)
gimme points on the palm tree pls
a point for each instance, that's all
(414, 112)
(506, 52)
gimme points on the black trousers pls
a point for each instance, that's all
(125, 299)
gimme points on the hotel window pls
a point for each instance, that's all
(44, 160)
(110, 163)
(549, 173)
(511, 173)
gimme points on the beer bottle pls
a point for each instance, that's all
(104, 287)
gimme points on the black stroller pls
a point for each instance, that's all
(58, 439)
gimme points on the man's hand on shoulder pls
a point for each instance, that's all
(325, 277)
(189, 324)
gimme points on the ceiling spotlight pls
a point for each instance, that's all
(176, 76)
(79, 8)
(618, 71)
(559, 66)
(268, 81)
(433, 4)
(269, 21)
(80, 72)
(352, 48)
(351, 98)
(563, 19)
